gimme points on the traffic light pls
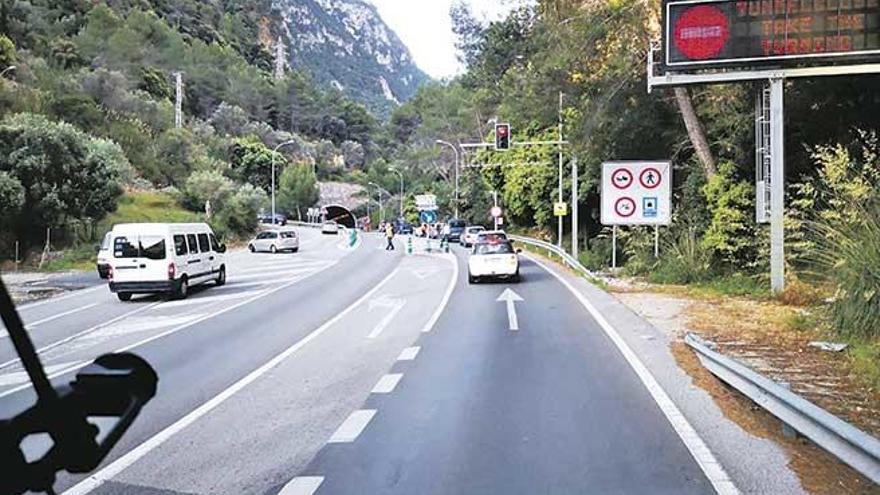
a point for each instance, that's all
(502, 137)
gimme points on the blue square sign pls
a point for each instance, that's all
(649, 207)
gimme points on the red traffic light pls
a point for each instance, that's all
(502, 136)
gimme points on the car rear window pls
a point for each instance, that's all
(288, 235)
(503, 248)
(180, 245)
(146, 246)
(457, 224)
(203, 243)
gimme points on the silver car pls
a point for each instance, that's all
(274, 241)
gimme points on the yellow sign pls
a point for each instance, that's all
(560, 209)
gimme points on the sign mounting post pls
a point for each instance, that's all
(777, 187)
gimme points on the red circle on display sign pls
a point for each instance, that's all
(625, 207)
(622, 178)
(650, 178)
(701, 32)
(496, 211)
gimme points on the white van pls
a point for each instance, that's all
(164, 257)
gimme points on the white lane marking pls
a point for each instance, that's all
(171, 331)
(19, 377)
(232, 285)
(393, 306)
(409, 354)
(273, 275)
(141, 324)
(691, 439)
(265, 267)
(60, 298)
(100, 477)
(449, 288)
(211, 299)
(511, 297)
(387, 383)
(84, 332)
(302, 485)
(352, 427)
(30, 326)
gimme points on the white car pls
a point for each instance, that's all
(469, 236)
(493, 236)
(275, 241)
(330, 228)
(493, 260)
(164, 258)
(104, 254)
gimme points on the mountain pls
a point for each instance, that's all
(345, 44)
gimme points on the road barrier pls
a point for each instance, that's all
(566, 258)
(854, 447)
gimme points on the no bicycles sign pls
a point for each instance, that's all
(636, 193)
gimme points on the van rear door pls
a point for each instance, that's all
(139, 258)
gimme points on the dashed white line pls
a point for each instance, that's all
(352, 427)
(99, 478)
(409, 354)
(302, 485)
(387, 383)
(30, 326)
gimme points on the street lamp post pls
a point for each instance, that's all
(457, 165)
(379, 200)
(401, 189)
(275, 152)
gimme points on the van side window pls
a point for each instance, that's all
(191, 240)
(153, 247)
(180, 245)
(203, 243)
(215, 246)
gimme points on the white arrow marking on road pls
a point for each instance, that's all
(511, 297)
(392, 305)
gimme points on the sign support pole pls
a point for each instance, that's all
(656, 241)
(559, 219)
(777, 186)
(614, 248)
(574, 207)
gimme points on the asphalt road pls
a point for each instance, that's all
(351, 371)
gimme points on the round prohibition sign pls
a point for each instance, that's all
(625, 207)
(650, 178)
(622, 178)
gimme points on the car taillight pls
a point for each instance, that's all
(172, 271)
(109, 272)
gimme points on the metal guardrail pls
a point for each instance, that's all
(566, 258)
(854, 447)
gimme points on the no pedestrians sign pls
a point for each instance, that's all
(636, 193)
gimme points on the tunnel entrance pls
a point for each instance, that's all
(340, 215)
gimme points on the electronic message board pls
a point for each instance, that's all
(758, 33)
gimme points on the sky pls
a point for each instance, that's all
(424, 26)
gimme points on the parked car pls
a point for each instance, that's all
(266, 219)
(469, 236)
(454, 229)
(275, 241)
(403, 227)
(498, 260)
(104, 253)
(164, 258)
(330, 227)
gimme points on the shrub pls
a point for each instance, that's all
(683, 260)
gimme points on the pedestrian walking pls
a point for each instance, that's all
(389, 234)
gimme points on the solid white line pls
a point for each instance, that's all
(387, 383)
(61, 298)
(352, 427)
(302, 485)
(713, 470)
(449, 288)
(60, 315)
(99, 478)
(387, 319)
(80, 334)
(271, 275)
(409, 354)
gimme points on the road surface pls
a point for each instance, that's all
(342, 370)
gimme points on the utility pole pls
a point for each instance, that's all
(457, 168)
(559, 219)
(279, 59)
(574, 207)
(777, 186)
(495, 201)
(178, 100)
(399, 174)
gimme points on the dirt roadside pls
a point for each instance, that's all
(758, 334)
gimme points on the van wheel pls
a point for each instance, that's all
(273, 249)
(182, 289)
(251, 248)
(471, 280)
(221, 277)
(124, 296)
(294, 250)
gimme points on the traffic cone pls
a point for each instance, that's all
(409, 245)
(444, 245)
